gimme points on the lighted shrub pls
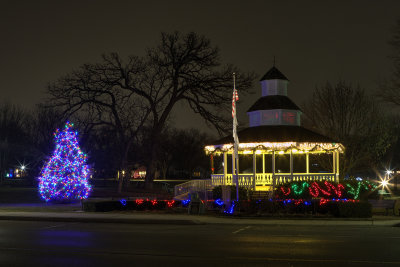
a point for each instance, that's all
(352, 189)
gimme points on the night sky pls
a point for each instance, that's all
(313, 41)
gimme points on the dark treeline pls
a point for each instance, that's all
(26, 138)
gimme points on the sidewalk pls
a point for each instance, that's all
(73, 213)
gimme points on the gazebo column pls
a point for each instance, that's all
(226, 190)
(212, 163)
(291, 165)
(334, 165)
(273, 170)
(225, 166)
(307, 165)
(254, 169)
(235, 167)
(337, 166)
(263, 168)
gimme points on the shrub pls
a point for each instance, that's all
(344, 209)
(140, 204)
(362, 190)
(352, 209)
(351, 189)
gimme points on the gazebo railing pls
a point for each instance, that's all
(265, 179)
(311, 177)
(193, 186)
(245, 180)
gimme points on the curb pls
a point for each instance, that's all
(197, 220)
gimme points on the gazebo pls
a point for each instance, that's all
(275, 148)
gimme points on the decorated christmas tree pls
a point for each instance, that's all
(65, 176)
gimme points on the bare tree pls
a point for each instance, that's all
(186, 68)
(94, 96)
(389, 90)
(144, 91)
(182, 153)
(351, 117)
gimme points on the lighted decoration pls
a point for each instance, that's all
(185, 202)
(324, 189)
(330, 190)
(324, 201)
(298, 190)
(355, 190)
(123, 202)
(170, 203)
(231, 209)
(321, 201)
(65, 176)
(219, 202)
(296, 147)
(285, 193)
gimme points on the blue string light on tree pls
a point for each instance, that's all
(65, 176)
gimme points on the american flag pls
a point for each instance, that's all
(235, 98)
(235, 156)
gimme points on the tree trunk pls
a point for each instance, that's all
(150, 174)
(151, 166)
(124, 180)
(120, 182)
(122, 177)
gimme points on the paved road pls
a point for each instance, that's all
(98, 244)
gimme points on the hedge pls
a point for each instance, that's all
(139, 204)
(337, 208)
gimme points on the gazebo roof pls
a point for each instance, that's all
(273, 74)
(276, 133)
(273, 102)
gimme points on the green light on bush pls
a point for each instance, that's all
(298, 190)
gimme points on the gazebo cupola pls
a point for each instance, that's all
(274, 107)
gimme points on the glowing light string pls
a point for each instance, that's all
(285, 193)
(66, 175)
(325, 189)
(299, 191)
(281, 146)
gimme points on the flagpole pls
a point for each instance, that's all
(235, 139)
